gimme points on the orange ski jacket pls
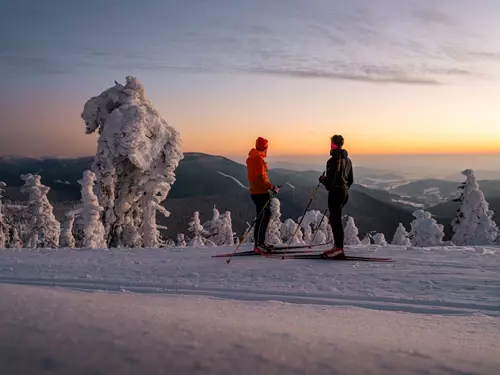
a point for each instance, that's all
(257, 172)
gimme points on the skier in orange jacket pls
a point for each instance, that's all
(260, 188)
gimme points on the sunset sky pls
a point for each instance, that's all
(391, 76)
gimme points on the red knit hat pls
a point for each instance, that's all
(261, 144)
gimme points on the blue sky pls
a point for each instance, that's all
(252, 66)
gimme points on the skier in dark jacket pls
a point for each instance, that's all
(338, 179)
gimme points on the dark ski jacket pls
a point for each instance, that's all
(339, 174)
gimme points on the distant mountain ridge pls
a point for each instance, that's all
(203, 181)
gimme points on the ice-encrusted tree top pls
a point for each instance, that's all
(425, 231)
(136, 157)
(473, 224)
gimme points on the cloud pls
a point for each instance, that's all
(434, 16)
(350, 76)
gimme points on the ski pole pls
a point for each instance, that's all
(319, 226)
(250, 228)
(302, 218)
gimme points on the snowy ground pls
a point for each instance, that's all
(433, 311)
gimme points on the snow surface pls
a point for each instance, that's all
(433, 311)
(445, 280)
(234, 179)
(69, 332)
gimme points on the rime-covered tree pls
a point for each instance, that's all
(137, 154)
(93, 229)
(45, 230)
(226, 234)
(274, 227)
(67, 238)
(212, 227)
(473, 224)
(425, 231)
(181, 242)
(401, 237)
(351, 233)
(287, 229)
(366, 240)
(379, 239)
(197, 231)
(3, 227)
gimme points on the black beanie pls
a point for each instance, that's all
(337, 140)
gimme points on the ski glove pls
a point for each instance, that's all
(275, 189)
(322, 179)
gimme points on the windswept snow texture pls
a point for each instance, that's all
(454, 280)
(60, 332)
(234, 179)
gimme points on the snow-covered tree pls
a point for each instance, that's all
(425, 231)
(212, 227)
(181, 242)
(473, 224)
(274, 227)
(366, 240)
(288, 229)
(226, 234)
(3, 236)
(379, 239)
(137, 154)
(67, 238)
(15, 241)
(197, 231)
(45, 230)
(351, 232)
(401, 237)
(93, 229)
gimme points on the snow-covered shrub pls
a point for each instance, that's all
(197, 231)
(212, 227)
(288, 229)
(90, 212)
(44, 229)
(137, 154)
(351, 233)
(473, 224)
(181, 242)
(366, 240)
(425, 231)
(379, 239)
(401, 237)
(316, 228)
(274, 227)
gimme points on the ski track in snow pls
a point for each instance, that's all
(442, 280)
(234, 179)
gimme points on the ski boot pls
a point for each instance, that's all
(334, 252)
(263, 249)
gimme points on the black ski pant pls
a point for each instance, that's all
(337, 199)
(260, 229)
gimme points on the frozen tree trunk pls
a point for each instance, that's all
(473, 224)
(351, 233)
(401, 237)
(379, 239)
(93, 228)
(67, 238)
(43, 222)
(425, 231)
(136, 157)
